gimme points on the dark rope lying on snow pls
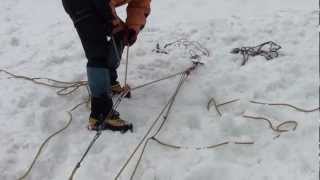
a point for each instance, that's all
(273, 127)
(269, 50)
(204, 147)
(212, 101)
(287, 105)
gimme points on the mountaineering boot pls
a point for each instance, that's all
(100, 119)
(115, 123)
(96, 123)
(93, 124)
(99, 106)
(117, 89)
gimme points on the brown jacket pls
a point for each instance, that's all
(137, 12)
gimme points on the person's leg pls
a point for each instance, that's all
(99, 84)
(93, 32)
(95, 44)
(99, 81)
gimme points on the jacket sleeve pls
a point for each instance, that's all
(137, 13)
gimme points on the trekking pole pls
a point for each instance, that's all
(126, 86)
(126, 70)
(118, 55)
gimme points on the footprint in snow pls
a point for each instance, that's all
(15, 42)
(55, 60)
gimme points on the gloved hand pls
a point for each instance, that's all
(129, 36)
(119, 28)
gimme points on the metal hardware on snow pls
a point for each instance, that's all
(195, 49)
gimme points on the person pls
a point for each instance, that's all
(103, 36)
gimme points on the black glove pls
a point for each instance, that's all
(130, 36)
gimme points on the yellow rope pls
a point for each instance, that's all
(46, 141)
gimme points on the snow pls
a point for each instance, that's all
(38, 39)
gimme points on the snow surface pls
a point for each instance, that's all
(38, 39)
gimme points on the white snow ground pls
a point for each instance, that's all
(37, 39)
